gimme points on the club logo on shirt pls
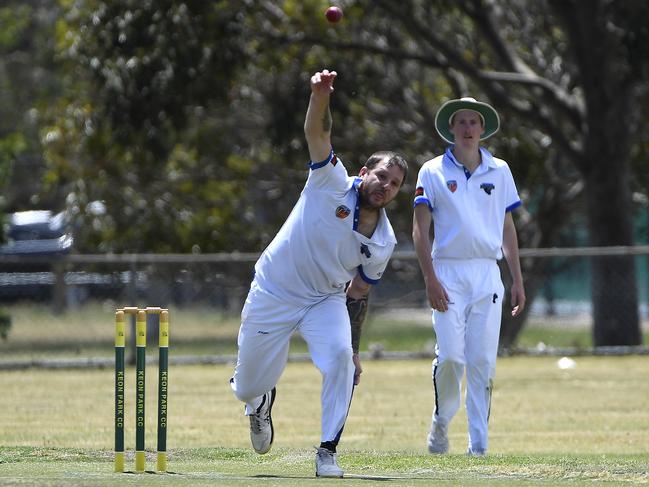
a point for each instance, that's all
(452, 185)
(365, 250)
(488, 187)
(342, 211)
(419, 191)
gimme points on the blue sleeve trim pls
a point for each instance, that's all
(365, 278)
(514, 206)
(422, 200)
(318, 165)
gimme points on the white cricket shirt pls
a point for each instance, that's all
(468, 209)
(318, 250)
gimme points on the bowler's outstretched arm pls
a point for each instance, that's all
(318, 123)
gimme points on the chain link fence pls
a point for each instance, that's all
(63, 308)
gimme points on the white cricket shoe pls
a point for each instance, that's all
(261, 424)
(476, 452)
(438, 439)
(326, 464)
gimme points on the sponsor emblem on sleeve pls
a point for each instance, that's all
(342, 211)
(452, 185)
(419, 192)
(487, 187)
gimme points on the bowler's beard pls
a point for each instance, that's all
(366, 201)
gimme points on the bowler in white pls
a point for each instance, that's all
(314, 279)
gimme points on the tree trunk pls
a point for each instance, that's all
(614, 289)
(608, 84)
(613, 281)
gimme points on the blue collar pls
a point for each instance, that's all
(487, 160)
(357, 209)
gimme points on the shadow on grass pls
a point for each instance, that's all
(373, 478)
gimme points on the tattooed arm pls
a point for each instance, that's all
(357, 295)
(317, 126)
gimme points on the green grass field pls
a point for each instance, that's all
(582, 426)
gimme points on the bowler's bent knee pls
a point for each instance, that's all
(244, 392)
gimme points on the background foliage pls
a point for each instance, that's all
(184, 118)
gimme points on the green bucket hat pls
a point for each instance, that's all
(489, 116)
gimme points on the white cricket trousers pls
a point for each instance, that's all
(267, 324)
(467, 337)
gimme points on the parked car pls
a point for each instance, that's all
(37, 232)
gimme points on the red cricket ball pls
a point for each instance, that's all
(334, 14)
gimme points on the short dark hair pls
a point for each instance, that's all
(391, 159)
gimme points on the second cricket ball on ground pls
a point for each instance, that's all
(334, 14)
